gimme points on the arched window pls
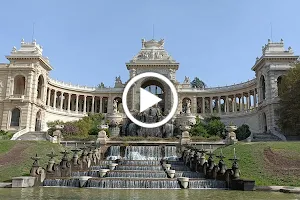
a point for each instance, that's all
(15, 117)
(185, 103)
(40, 87)
(19, 85)
(262, 88)
(119, 104)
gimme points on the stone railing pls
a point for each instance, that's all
(229, 87)
(58, 110)
(19, 133)
(79, 87)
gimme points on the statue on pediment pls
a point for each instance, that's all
(118, 79)
(186, 80)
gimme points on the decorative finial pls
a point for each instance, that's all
(269, 40)
(281, 40)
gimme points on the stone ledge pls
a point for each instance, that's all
(284, 189)
(5, 185)
(23, 181)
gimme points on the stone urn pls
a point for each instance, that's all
(112, 166)
(184, 121)
(167, 167)
(57, 133)
(102, 138)
(103, 172)
(184, 182)
(171, 173)
(231, 136)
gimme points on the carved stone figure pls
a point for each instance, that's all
(188, 106)
(186, 80)
(118, 79)
(115, 106)
(172, 74)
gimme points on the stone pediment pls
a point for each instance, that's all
(152, 51)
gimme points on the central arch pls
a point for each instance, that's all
(155, 87)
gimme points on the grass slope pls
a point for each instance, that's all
(268, 163)
(15, 156)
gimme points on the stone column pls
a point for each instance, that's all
(61, 100)
(203, 105)
(93, 104)
(243, 104)
(254, 98)
(227, 104)
(76, 106)
(211, 106)
(49, 97)
(219, 105)
(88, 104)
(239, 104)
(69, 102)
(195, 104)
(248, 101)
(233, 103)
(100, 108)
(54, 99)
(109, 104)
(84, 104)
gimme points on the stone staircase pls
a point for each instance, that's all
(264, 137)
(34, 136)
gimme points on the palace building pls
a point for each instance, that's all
(29, 98)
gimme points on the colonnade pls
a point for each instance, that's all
(223, 104)
(69, 102)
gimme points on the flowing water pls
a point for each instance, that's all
(59, 193)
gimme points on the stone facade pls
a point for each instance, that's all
(29, 97)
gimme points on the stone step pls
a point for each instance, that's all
(33, 136)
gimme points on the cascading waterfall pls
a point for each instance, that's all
(140, 167)
(137, 174)
(133, 183)
(94, 173)
(62, 182)
(114, 153)
(202, 184)
(141, 162)
(170, 153)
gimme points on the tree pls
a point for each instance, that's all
(197, 83)
(289, 103)
(198, 129)
(101, 85)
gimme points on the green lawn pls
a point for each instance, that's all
(268, 163)
(15, 156)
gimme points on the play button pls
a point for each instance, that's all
(147, 99)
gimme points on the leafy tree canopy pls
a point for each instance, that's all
(289, 103)
(197, 83)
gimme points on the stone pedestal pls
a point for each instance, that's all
(231, 136)
(23, 181)
(114, 131)
(102, 138)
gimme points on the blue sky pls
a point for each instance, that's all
(88, 42)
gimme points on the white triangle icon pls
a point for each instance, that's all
(147, 99)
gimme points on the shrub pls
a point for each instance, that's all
(243, 132)
(5, 135)
(70, 128)
(215, 127)
(94, 131)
